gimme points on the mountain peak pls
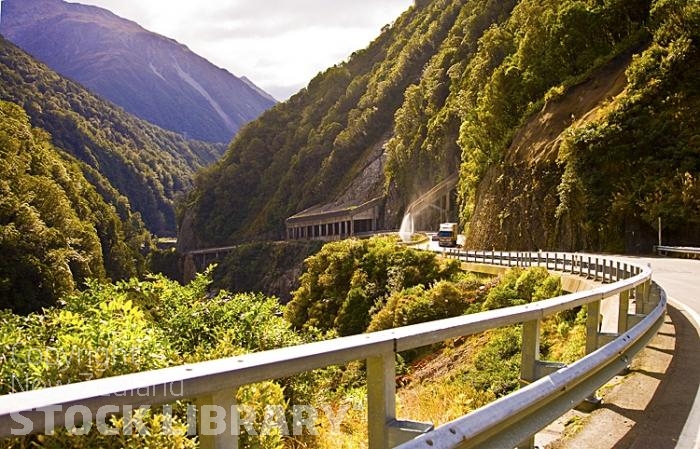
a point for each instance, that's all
(149, 75)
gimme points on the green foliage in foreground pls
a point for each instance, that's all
(521, 286)
(419, 304)
(56, 230)
(347, 280)
(132, 326)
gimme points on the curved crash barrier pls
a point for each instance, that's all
(551, 389)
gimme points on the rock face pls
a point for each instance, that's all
(518, 199)
(149, 75)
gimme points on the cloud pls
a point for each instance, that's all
(278, 44)
(283, 15)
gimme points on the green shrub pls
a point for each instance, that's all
(348, 280)
(417, 305)
(521, 286)
(497, 364)
(132, 326)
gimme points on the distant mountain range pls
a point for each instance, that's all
(146, 164)
(150, 76)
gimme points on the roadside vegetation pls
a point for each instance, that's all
(348, 287)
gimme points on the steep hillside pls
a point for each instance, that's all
(528, 100)
(56, 230)
(150, 76)
(625, 152)
(309, 149)
(148, 165)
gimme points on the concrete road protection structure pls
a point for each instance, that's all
(335, 222)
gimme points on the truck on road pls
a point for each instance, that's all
(447, 235)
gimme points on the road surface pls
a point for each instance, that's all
(680, 278)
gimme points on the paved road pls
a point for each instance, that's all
(680, 278)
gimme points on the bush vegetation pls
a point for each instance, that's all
(133, 326)
(129, 326)
(346, 281)
(638, 161)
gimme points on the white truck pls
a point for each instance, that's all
(447, 235)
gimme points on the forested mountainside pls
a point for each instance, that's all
(309, 149)
(150, 76)
(624, 151)
(482, 87)
(148, 165)
(56, 230)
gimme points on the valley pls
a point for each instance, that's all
(526, 125)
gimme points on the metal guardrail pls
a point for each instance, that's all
(683, 251)
(552, 388)
(512, 420)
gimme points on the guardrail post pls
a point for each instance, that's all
(593, 323)
(530, 351)
(580, 265)
(595, 270)
(588, 273)
(592, 326)
(623, 311)
(529, 363)
(647, 291)
(639, 299)
(604, 270)
(381, 398)
(216, 438)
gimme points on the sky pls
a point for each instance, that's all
(278, 44)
